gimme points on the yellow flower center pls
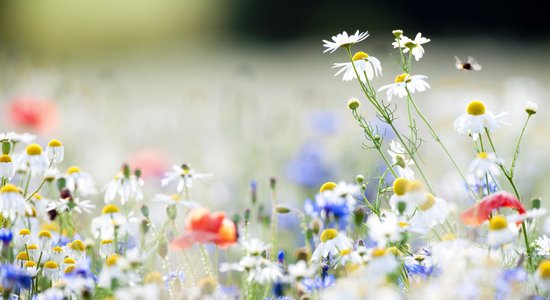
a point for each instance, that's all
(377, 252)
(104, 242)
(403, 224)
(77, 245)
(110, 209)
(24, 231)
(345, 252)
(400, 186)
(430, 201)
(69, 260)
(394, 251)
(32, 247)
(475, 108)
(45, 234)
(34, 149)
(359, 56)
(415, 185)
(32, 213)
(30, 264)
(175, 197)
(544, 269)
(9, 188)
(498, 222)
(111, 260)
(55, 143)
(328, 234)
(22, 256)
(51, 265)
(37, 197)
(50, 226)
(483, 155)
(5, 158)
(153, 277)
(73, 169)
(448, 237)
(57, 249)
(327, 186)
(69, 269)
(402, 78)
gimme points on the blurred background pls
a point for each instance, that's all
(242, 90)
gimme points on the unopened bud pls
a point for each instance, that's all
(272, 182)
(353, 103)
(246, 215)
(397, 33)
(162, 249)
(315, 226)
(126, 170)
(172, 212)
(359, 178)
(61, 182)
(6, 147)
(282, 209)
(401, 207)
(535, 203)
(145, 211)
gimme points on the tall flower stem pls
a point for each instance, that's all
(516, 151)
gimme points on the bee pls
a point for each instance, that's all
(469, 65)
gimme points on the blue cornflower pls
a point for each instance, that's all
(6, 236)
(325, 122)
(507, 279)
(12, 278)
(318, 283)
(308, 168)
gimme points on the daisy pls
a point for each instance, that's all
(398, 201)
(348, 257)
(344, 40)
(55, 151)
(7, 169)
(477, 119)
(381, 263)
(12, 203)
(431, 212)
(332, 242)
(387, 229)
(81, 181)
(412, 45)
(127, 187)
(543, 246)
(51, 270)
(175, 200)
(364, 64)
(542, 275)
(531, 108)
(70, 203)
(31, 268)
(404, 84)
(300, 270)
(34, 159)
(501, 231)
(184, 174)
(255, 247)
(15, 138)
(104, 225)
(485, 164)
(400, 160)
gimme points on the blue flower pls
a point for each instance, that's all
(12, 278)
(6, 236)
(318, 283)
(308, 168)
(325, 122)
(507, 279)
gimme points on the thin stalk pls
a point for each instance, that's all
(516, 151)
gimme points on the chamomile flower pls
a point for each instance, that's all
(300, 270)
(106, 248)
(70, 203)
(7, 168)
(12, 203)
(25, 138)
(483, 164)
(31, 268)
(184, 175)
(332, 242)
(431, 212)
(104, 226)
(542, 275)
(412, 45)
(542, 245)
(175, 200)
(55, 151)
(404, 84)
(401, 160)
(531, 108)
(344, 40)
(477, 119)
(255, 247)
(501, 231)
(364, 64)
(79, 181)
(44, 239)
(51, 270)
(34, 159)
(386, 229)
(381, 263)
(399, 202)
(126, 187)
(348, 257)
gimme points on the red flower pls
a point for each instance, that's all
(481, 212)
(35, 114)
(151, 161)
(205, 227)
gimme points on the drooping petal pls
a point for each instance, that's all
(481, 212)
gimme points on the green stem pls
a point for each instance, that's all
(516, 151)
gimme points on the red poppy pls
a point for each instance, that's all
(205, 227)
(151, 161)
(481, 212)
(34, 114)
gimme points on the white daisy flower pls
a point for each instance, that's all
(431, 212)
(184, 174)
(386, 229)
(174, 200)
(501, 231)
(300, 270)
(255, 247)
(31, 268)
(55, 151)
(106, 248)
(407, 194)
(347, 257)
(542, 275)
(51, 270)
(485, 164)
(531, 108)
(477, 119)
(7, 168)
(112, 270)
(13, 137)
(12, 203)
(542, 245)
(381, 263)
(127, 188)
(404, 82)
(332, 242)
(66, 204)
(33, 159)
(79, 181)
(104, 225)
(344, 40)
(364, 64)
(401, 161)
(412, 45)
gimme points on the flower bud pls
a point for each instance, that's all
(6, 147)
(359, 178)
(172, 212)
(531, 108)
(282, 209)
(162, 248)
(535, 203)
(397, 33)
(401, 207)
(145, 211)
(353, 103)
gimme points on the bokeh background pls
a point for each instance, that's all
(242, 90)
